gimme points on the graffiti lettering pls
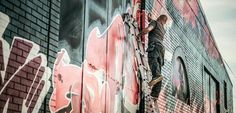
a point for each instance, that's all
(107, 83)
(24, 75)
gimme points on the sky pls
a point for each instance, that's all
(221, 16)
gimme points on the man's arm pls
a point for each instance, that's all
(146, 30)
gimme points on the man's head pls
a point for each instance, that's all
(162, 19)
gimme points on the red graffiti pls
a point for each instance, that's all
(188, 10)
(210, 45)
(67, 81)
(107, 76)
(24, 75)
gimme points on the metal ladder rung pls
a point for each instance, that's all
(143, 67)
(141, 53)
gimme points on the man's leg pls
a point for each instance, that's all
(156, 76)
(157, 86)
(156, 71)
(152, 62)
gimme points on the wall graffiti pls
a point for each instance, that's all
(180, 85)
(210, 45)
(187, 15)
(107, 82)
(96, 71)
(190, 11)
(24, 75)
(107, 71)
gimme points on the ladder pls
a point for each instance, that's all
(142, 61)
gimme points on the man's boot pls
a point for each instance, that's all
(155, 80)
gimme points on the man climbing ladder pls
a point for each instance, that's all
(156, 52)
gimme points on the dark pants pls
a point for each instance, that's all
(156, 61)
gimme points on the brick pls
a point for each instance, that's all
(55, 19)
(52, 47)
(13, 57)
(8, 39)
(12, 92)
(13, 107)
(16, 3)
(53, 42)
(46, 8)
(19, 11)
(43, 49)
(30, 17)
(51, 53)
(17, 23)
(25, 81)
(23, 6)
(40, 36)
(23, 20)
(43, 43)
(18, 100)
(55, 25)
(56, 14)
(36, 14)
(51, 35)
(45, 19)
(31, 5)
(24, 34)
(27, 9)
(35, 26)
(17, 51)
(42, 24)
(56, 8)
(55, 31)
(35, 39)
(45, 2)
(7, 4)
(20, 87)
(38, 3)
(7, 33)
(30, 30)
(43, 12)
(2, 9)
(44, 31)
(57, 3)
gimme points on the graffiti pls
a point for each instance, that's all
(187, 9)
(96, 69)
(190, 11)
(106, 79)
(180, 82)
(108, 84)
(67, 85)
(24, 75)
(210, 45)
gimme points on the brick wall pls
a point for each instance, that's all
(38, 22)
(93, 57)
